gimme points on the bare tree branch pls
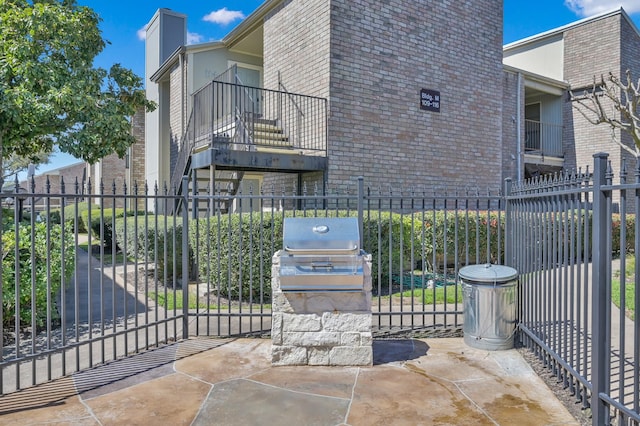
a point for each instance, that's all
(620, 112)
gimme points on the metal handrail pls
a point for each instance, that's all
(186, 147)
(225, 108)
(284, 90)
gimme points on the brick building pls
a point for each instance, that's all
(411, 94)
(503, 111)
(553, 136)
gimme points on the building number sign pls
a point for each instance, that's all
(430, 100)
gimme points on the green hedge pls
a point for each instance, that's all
(397, 244)
(148, 237)
(234, 251)
(101, 224)
(55, 216)
(236, 240)
(43, 249)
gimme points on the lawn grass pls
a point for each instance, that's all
(629, 288)
(171, 302)
(431, 295)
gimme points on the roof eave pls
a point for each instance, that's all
(250, 23)
(157, 76)
(537, 77)
(562, 29)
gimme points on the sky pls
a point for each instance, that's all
(123, 24)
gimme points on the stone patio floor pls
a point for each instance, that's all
(438, 381)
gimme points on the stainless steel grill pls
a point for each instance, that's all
(321, 254)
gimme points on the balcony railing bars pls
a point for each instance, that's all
(543, 138)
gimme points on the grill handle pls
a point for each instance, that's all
(323, 251)
(321, 265)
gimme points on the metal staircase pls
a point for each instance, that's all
(234, 128)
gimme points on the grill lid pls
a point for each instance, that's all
(310, 235)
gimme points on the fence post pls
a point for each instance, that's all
(600, 320)
(361, 209)
(185, 257)
(508, 225)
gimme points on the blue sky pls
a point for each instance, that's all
(122, 22)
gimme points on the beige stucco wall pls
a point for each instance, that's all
(544, 57)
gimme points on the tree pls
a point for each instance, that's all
(14, 164)
(50, 91)
(616, 103)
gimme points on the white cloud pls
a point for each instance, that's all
(593, 7)
(142, 33)
(194, 38)
(223, 16)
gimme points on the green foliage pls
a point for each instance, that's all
(46, 263)
(233, 252)
(70, 213)
(229, 256)
(244, 245)
(153, 238)
(171, 301)
(448, 294)
(430, 241)
(50, 91)
(629, 288)
(460, 239)
(630, 230)
(102, 222)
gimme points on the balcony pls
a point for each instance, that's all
(233, 126)
(543, 139)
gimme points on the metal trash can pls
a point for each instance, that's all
(490, 295)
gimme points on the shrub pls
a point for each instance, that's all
(102, 222)
(55, 216)
(48, 264)
(455, 240)
(149, 238)
(389, 239)
(229, 251)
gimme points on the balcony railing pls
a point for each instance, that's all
(238, 117)
(543, 138)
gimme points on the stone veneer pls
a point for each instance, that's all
(321, 328)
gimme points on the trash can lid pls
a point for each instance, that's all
(488, 273)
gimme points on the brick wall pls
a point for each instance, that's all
(52, 183)
(136, 159)
(176, 129)
(510, 126)
(371, 59)
(630, 60)
(296, 44)
(589, 50)
(136, 169)
(66, 175)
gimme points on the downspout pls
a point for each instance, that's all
(519, 127)
(182, 93)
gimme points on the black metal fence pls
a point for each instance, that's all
(84, 285)
(572, 252)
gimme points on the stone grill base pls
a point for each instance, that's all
(321, 328)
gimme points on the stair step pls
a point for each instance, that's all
(271, 128)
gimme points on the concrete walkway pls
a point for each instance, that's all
(231, 382)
